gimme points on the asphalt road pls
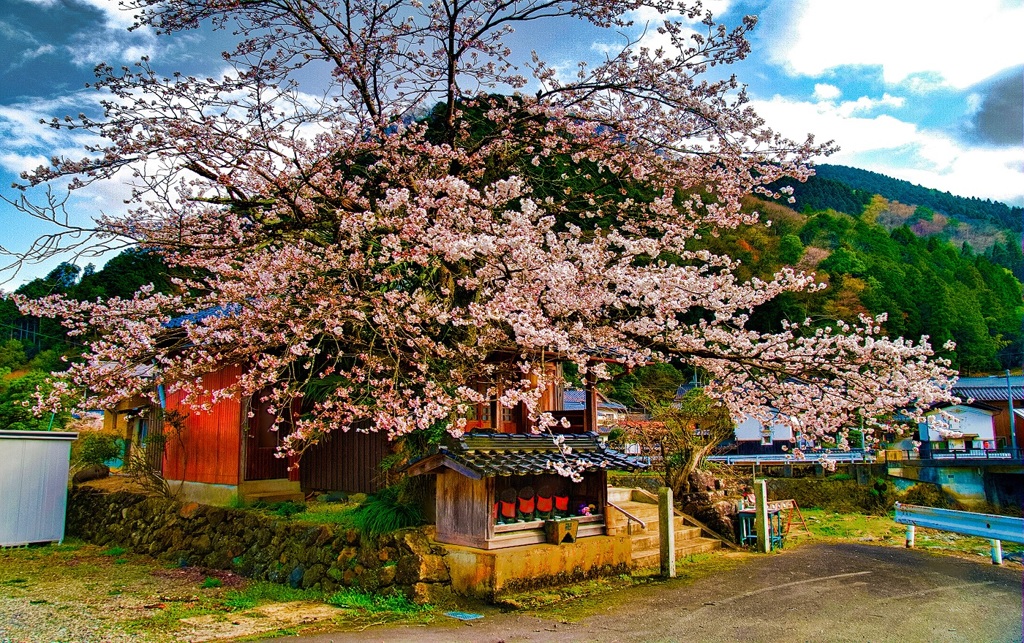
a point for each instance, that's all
(813, 593)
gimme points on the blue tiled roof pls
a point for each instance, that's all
(575, 399)
(193, 318)
(989, 389)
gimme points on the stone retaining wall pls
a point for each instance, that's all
(322, 557)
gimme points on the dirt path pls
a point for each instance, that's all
(841, 592)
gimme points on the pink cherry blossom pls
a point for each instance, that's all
(365, 263)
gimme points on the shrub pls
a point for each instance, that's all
(97, 448)
(929, 495)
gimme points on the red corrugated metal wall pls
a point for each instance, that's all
(211, 445)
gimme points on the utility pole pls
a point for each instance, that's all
(1013, 424)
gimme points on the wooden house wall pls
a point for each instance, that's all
(212, 440)
(345, 461)
(464, 507)
(1001, 420)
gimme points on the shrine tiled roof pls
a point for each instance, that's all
(504, 454)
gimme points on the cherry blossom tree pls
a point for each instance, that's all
(678, 434)
(442, 212)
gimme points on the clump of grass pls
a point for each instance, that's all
(329, 513)
(374, 603)
(210, 582)
(386, 511)
(285, 509)
(266, 592)
(115, 552)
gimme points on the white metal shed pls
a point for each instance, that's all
(34, 469)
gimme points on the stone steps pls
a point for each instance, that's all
(652, 557)
(275, 496)
(646, 540)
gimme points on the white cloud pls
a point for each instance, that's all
(900, 149)
(645, 15)
(17, 163)
(922, 42)
(864, 104)
(87, 52)
(823, 91)
(647, 20)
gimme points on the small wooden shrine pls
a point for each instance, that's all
(498, 490)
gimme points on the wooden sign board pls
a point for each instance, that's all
(793, 515)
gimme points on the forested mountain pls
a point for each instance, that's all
(122, 276)
(926, 286)
(962, 208)
(975, 225)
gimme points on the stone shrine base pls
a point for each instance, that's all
(488, 574)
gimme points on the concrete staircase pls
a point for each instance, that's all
(646, 541)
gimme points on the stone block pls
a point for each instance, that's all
(425, 568)
(313, 575)
(436, 594)
(386, 575)
(417, 542)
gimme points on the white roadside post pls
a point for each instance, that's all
(667, 534)
(910, 536)
(997, 552)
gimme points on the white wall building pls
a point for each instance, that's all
(973, 429)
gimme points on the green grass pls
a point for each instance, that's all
(115, 552)
(167, 619)
(883, 530)
(210, 582)
(261, 592)
(329, 513)
(396, 604)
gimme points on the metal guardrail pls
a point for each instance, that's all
(975, 454)
(995, 528)
(963, 522)
(994, 455)
(785, 458)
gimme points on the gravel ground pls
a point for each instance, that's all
(819, 592)
(84, 594)
(22, 621)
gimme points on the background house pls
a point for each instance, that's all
(985, 418)
(996, 392)
(609, 412)
(973, 427)
(751, 437)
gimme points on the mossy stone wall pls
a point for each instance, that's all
(322, 557)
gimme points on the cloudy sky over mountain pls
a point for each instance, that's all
(930, 91)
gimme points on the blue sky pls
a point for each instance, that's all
(930, 91)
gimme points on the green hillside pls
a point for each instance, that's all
(986, 227)
(926, 286)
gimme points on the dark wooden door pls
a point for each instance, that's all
(261, 444)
